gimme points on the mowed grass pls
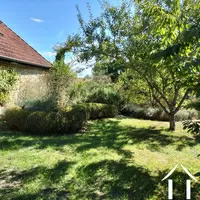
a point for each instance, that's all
(110, 159)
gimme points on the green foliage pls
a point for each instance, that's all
(192, 127)
(65, 121)
(97, 110)
(108, 94)
(8, 79)
(45, 104)
(195, 105)
(114, 159)
(155, 113)
(96, 91)
(3, 126)
(188, 114)
(142, 112)
(60, 79)
(112, 69)
(153, 27)
(135, 90)
(46, 123)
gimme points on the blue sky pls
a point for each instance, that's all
(45, 23)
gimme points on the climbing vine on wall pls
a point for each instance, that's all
(8, 78)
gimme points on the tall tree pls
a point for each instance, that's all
(133, 40)
(172, 27)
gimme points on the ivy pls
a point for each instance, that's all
(8, 79)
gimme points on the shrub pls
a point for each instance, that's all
(105, 95)
(163, 117)
(41, 105)
(60, 79)
(97, 110)
(94, 91)
(16, 118)
(195, 104)
(46, 122)
(3, 126)
(156, 113)
(135, 111)
(192, 126)
(193, 114)
(182, 115)
(153, 113)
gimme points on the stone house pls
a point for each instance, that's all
(32, 68)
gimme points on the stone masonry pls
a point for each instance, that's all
(32, 83)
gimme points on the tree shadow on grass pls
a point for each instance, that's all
(179, 179)
(106, 179)
(155, 139)
(45, 194)
(102, 133)
(109, 179)
(12, 181)
(111, 135)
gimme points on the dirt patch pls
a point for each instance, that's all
(7, 180)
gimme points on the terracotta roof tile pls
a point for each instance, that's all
(14, 47)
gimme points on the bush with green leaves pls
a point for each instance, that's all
(60, 79)
(8, 79)
(96, 91)
(46, 123)
(97, 110)
(105, 94)
(186, 114)
(192, 126)
(46, 104)
(151, 113)
(135, 111)
(3, 126)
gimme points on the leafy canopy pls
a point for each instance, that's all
(138, 41)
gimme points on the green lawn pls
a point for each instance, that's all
(110, 159)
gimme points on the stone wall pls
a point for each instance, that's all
(32, 83)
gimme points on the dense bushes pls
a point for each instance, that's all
(46, 122)
(106, 95)
(143, 112)
(97, 110)
(62, 122)
(156, 113)
(186, 114)
(192, 127)
(96, 91)
(45, 104)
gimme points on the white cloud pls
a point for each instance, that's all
(37, 20)
(48, 53)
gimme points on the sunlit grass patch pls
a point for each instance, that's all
(112, 159)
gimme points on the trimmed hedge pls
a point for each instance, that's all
(156, 113)
(62, 122)
(46, 122)
(98, 110)
(135, 111)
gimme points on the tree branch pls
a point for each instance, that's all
(182, 100)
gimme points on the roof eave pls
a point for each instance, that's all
(23, 62)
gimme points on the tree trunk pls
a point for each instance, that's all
(172, 122)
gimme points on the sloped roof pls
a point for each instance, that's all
(14, 48)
